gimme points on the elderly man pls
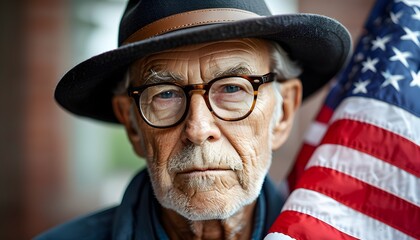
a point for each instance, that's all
(206, 90)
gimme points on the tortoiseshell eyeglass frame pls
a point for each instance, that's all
(203, 88)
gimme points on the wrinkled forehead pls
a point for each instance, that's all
(248, 56)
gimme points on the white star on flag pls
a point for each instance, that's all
(380, 42)
(416, 79)
(360, 87)
(391, 80)
(410, 35)
(416, 15)
(400, 56)
(369, 64)
(395, 17)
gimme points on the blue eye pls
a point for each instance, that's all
(166, 95)
(231, 89)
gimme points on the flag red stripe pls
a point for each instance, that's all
(363, 197)
(340, 216)
(324, 114)
(368, 169)
(302, 226)
(302, 159)
(376, 141)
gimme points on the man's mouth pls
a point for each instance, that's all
(203, 179)
(204, 170)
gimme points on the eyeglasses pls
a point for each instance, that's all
(230, 98)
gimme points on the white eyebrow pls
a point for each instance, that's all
(239, 69)
(158, 76)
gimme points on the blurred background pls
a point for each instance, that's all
(55, 166)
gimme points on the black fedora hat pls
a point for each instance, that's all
(320, 44)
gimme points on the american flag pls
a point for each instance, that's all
(357, 176)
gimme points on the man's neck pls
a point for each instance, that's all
(238, 226)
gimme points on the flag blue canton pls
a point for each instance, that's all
(386, 62)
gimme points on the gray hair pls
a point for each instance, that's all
(281, 64)
(285, 68)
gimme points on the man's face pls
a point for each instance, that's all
(207, 168)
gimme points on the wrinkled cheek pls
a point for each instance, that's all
(157, 165)
(162, 181)
(159, 147)
(256, 160)
(153, 137)
(242, 141)
(252, 132)
(261, 148)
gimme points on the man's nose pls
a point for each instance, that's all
(200, 123)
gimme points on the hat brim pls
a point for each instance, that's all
(320, 44)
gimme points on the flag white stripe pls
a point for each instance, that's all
(369, 169)
(381, 114)
(278, 236)
(339, 216)
(315, 133)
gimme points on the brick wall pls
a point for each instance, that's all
(11, 119)
(45, 28)
(32, 144)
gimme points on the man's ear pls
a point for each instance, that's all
(123, 110)
(291, 91)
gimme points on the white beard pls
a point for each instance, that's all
(219, 204)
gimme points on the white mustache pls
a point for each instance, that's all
(203, 157)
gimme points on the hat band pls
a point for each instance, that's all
(190, 19)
